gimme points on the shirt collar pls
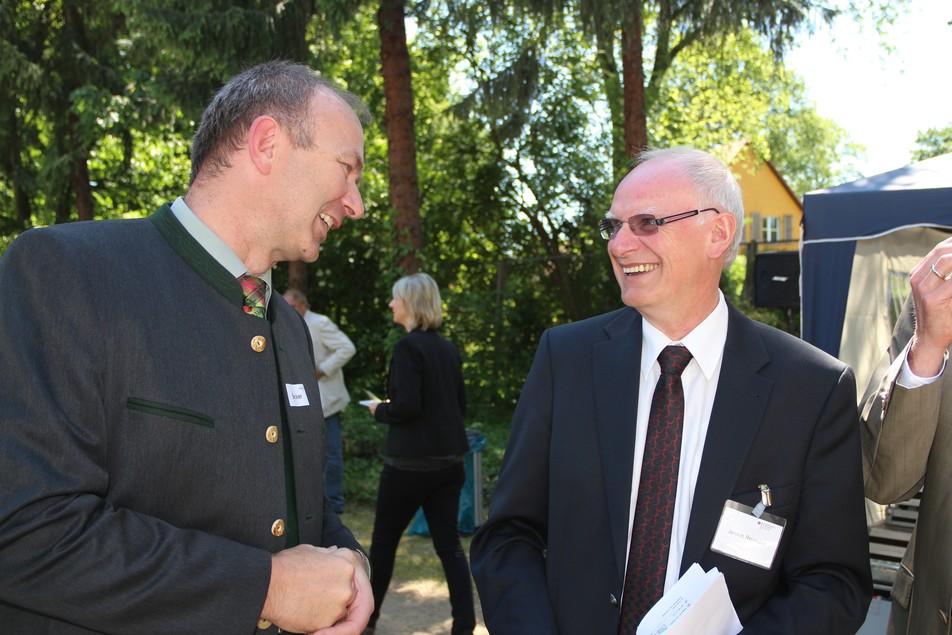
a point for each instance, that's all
(210, 241)
(706, 341)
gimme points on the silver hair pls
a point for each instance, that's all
(714, 183)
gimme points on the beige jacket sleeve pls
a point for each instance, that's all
(898, 424)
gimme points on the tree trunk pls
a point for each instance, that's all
(633, 74)
(79, 174)
(76, 145)
(613, 92)
(61, 208)
(566, 287)
(84, 193)
(14, 167)
(297, 275)
(401, 144)
(560, 265)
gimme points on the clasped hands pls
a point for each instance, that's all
(319, 590)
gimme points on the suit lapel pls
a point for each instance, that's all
(616, 366)
(742, 395)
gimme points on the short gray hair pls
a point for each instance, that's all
(280, 89)
(713, 181)
(421, 296)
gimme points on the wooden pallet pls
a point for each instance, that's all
(888, 542)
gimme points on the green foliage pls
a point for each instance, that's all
(514, 143)
(78, 102)
(364, 437)
(932, 143)
(538, 182)
(138, 182)
(732, 279)
(363, 442)
(733, 89)
(190, 47)
(478, 188)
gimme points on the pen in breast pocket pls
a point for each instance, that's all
(766, 500)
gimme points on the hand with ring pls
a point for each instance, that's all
(933, 303)
(945, 277)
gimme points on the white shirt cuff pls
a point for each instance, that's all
(908, 379)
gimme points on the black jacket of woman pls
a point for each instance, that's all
(426, 398)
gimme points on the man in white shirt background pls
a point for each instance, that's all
(332, 349)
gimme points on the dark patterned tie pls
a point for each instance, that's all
(255, 290)
(654, 510)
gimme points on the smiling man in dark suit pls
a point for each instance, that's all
(764, 418)
(161, 442)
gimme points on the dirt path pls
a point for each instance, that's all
(420, 607)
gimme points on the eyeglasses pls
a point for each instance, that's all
(645, 224)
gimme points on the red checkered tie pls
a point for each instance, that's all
(255, 290)
(654, 511)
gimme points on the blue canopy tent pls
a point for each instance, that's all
(859, 242)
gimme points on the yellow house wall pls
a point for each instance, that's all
(765, 194)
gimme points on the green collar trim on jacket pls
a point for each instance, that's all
(195, 255)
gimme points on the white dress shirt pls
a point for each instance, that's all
(699, 379)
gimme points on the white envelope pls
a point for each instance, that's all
(698, 604)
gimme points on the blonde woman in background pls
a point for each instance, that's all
(425, 447)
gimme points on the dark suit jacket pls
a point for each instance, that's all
(145, 451)
(427, 398)
(551, 557)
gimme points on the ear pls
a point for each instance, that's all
(723, 229)
(262, 141)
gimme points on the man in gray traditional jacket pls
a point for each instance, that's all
(160, 420)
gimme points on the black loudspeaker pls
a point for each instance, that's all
(777, 280)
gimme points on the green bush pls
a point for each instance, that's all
(364, 441)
